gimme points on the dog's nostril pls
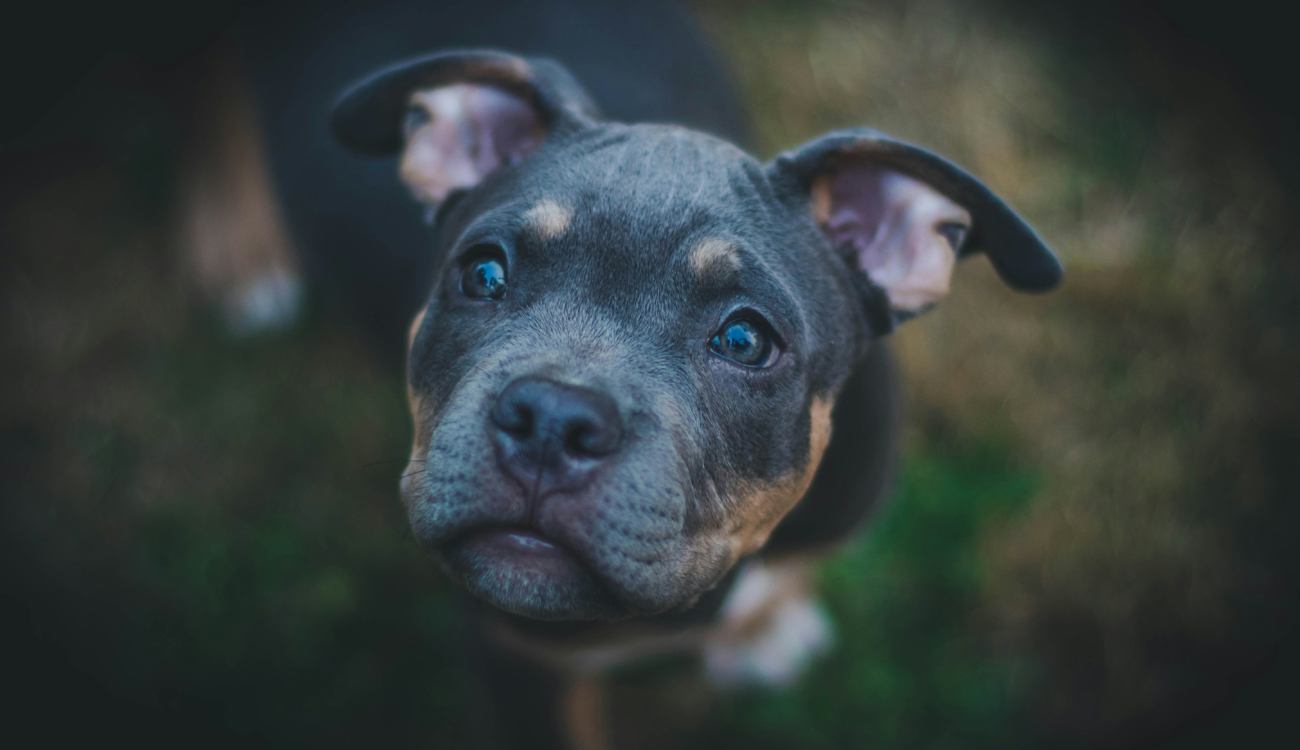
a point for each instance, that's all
(513, 413)
(518, 420)
(592, 438)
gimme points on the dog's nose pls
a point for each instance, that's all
(551, 436)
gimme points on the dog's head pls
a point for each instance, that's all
(624, 375)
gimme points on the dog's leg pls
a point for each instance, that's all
(231, 230)
(536, 706)
(584, 713)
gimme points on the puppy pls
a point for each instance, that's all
(647, 384)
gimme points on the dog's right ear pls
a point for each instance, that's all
(458, 116)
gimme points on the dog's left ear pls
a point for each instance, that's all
(903, 216)
(459, 115)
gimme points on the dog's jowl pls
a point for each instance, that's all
(626, 377)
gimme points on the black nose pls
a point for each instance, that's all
(551, 436)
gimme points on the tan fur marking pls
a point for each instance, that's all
(584, 713)
(522, 70)
(821, 200)
(414, 328)
(714, 254)
(231, 227)
(616, 645)
(764, 506)
(515, 70)
(820, 431)
(549, 219)
(413, 400)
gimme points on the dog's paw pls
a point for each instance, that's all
(777, 641)
(270, 302)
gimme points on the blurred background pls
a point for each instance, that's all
(1092, 541)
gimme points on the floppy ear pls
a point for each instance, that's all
(458, 116)
(903, 216)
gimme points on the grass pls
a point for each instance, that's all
(908, 670)
(1086, 543)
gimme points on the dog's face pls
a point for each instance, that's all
(625, 373)
(631, 353)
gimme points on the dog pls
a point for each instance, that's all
(647, 386)
(647, 373)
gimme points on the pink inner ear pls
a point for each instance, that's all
(893, 223)
(472, 130)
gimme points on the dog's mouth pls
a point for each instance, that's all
(525, 572)
(522, 541)
(521, 545)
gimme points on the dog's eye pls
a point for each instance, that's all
(747, 341)
(483, 275)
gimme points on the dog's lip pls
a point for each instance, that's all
(519, 539)
(527, 545)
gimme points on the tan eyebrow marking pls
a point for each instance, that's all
(548, 218)
(714, 255)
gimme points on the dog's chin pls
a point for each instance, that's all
(520, 572)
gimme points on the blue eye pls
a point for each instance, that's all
(745, 342)
(484, 276)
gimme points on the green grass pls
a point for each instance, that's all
(908, 669)
(1089, 536)
(245, 562)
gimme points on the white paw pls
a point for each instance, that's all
(774, 652)
(268, 303)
